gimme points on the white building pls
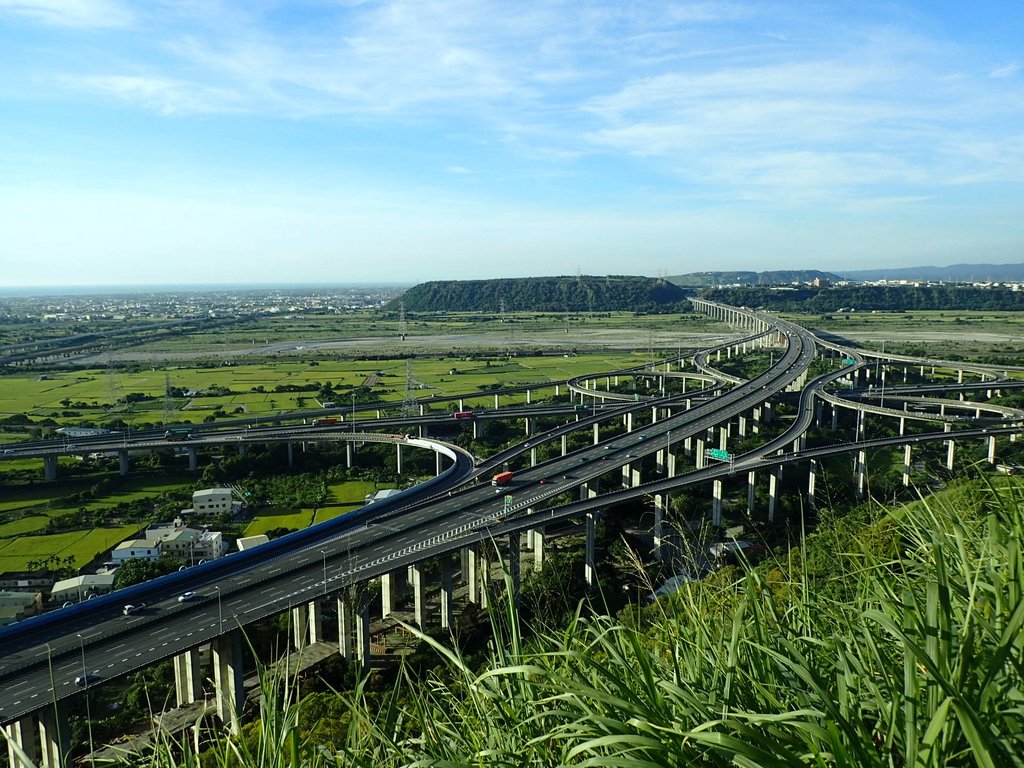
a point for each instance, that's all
(140, 549)
(212, 501)
(79, 588)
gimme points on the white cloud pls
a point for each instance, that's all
(165, 96)
(1006, 70)
(70, 13)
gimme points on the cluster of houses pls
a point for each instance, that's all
(25, 593)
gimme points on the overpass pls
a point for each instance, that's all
(40, 659)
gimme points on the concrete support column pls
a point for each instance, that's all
(773, 490)
(344, 607)
(24, 734)
(991, 449)
(660, 505)
(447, 596)
(688, 447)
(193, 459)
(699, 458)
(476, 429)
(626, 475)
(514, 563)
(743, 426)
(291, 456)
(835, 418)
(419, 594)
(723, 438)
(187, 680)
(300, 626)
(472, 575)
(538, 549)
(533, 457)
(950, 450)
(565, 444)
(122, 462)
(528, 424)
(589, 567)
(903, 425)
(716, 502)
(54, 736)
(597, 436)
(228, 678)
(49, 468)
(362, 616)
(629, 421)
(751, 482)
(906, 465)
(315, 621)
(438, 463)
(812, 473)
(398, 458)
(860, 425)
(529, 396)
(348, 455)
(496, 405)
(862, 459)
(485, 576)
(387, 594)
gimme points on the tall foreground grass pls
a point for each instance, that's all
(908, 659)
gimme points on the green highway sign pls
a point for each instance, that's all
(508, 500)
(848, 361)
(718, 453)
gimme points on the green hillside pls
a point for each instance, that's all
(583, 293)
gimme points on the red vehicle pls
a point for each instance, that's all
(502, 478)
(463, 415)
(325, 421)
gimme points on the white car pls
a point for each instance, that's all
(186, 596)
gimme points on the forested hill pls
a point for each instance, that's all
(868, 297)
(777, 277)
(544, 294)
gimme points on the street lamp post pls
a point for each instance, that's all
(220, 612)
(353, 411)
(324, 553)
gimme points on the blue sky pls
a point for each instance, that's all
(193, 141)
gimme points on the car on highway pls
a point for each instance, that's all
(734, 547)
(131, 609)
(83, 680)
(184, 597)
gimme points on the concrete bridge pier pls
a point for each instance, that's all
(497, 404)
(773, 490)
(344, 605)
(716, 502)
(438, 463)
(903, 425)
(122, 462)
(398, 458)
(751, 485)
(470, 574)
(514, 565)
(661, 502)
(565, 444)
(812, 476)
(291, 456)
(860, 425)
(187, 678)
(529, 397)
(54, 736)
(991, 449)
(389, 592)
(476, 429)
(950, 449)
(529, 424)
(723, 438)
(362, 615)
(228, 678)
(49, 468)
(419, 594)
(193, 459)
(537, 545)
(23, 733)
(906, 465)
(447, 595)
(835, 418)
(589, 567)
(861, 462)
(699, 457)
(743, 426)
(597, 435)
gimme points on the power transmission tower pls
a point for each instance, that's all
(114, 389)
(169, 408)
(409, 401)
(402, 328)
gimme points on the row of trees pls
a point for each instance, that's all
(867, 297)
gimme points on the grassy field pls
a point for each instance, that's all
(83, 546)
(344, 498)
(75, 397)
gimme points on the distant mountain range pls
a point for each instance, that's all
(979, 273)
(777, 277)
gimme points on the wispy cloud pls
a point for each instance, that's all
(165, 96)
(70, 13)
